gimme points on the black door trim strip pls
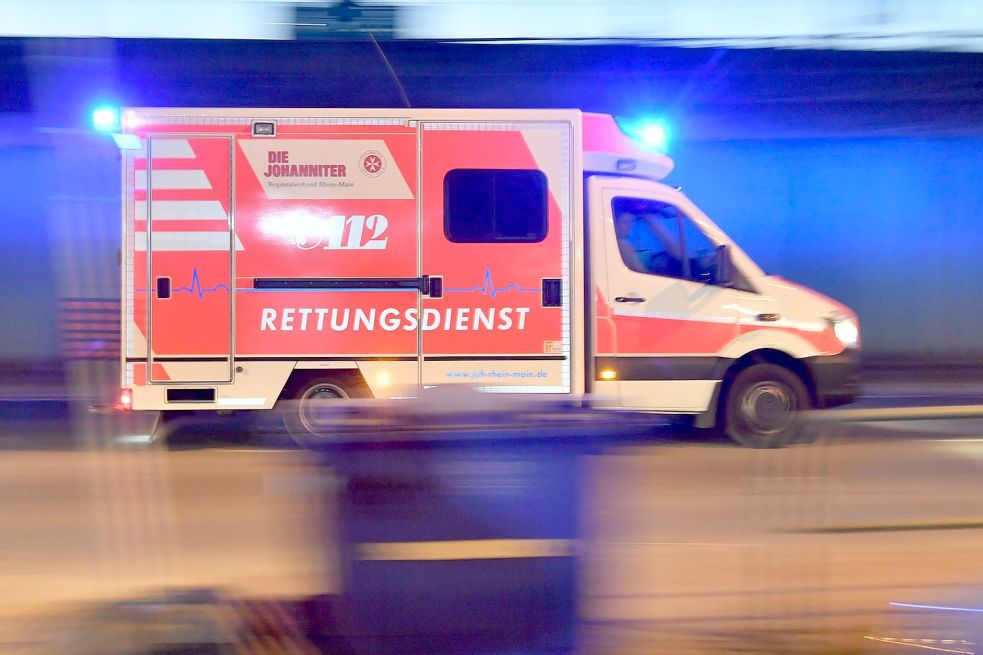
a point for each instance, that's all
(352, 283)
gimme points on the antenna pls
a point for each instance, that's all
(392, 72)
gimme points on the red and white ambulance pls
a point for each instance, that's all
(301, 254)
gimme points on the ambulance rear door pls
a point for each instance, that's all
(183, 228)
(662, 314)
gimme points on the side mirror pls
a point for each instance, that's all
(723, 267)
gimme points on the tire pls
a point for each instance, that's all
(761, 407)
(308, 410)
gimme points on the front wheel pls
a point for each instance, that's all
(762, 405)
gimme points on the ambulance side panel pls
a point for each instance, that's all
(333, 245)
(497, 206)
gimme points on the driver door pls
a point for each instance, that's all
(661, 319)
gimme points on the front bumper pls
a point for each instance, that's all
(836, 378)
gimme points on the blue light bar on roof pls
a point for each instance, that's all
(105, 118)
(651, 134)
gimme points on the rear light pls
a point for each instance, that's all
(125, 398)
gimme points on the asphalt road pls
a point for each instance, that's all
(690, 545)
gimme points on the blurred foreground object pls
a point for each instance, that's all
(460, 523)
(458, 519)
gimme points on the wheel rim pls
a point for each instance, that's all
(314, 408)
(768, 407)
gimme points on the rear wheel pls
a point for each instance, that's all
(313, 405)
(762, 407)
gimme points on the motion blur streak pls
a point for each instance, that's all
(914, 644)
(939, 607)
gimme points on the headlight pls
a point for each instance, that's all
(846, 329)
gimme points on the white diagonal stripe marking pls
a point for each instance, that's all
(171, 149)
(168, 179)
(182, 210)
(186, 241)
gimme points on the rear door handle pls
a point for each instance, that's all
(163, 288)
(629, 299)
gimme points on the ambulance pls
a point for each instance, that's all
(285, 257)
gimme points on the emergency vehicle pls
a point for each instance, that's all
(275, 255)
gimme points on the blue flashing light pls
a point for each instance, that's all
(654, 136)
(105, 118)
(651, 134)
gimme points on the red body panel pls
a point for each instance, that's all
(499, 279)
(338, 202)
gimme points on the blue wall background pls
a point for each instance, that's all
(887, 221)
(893, 227)
(28, 320)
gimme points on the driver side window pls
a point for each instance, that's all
(648, 237)
(656, 238)
(701, 253)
